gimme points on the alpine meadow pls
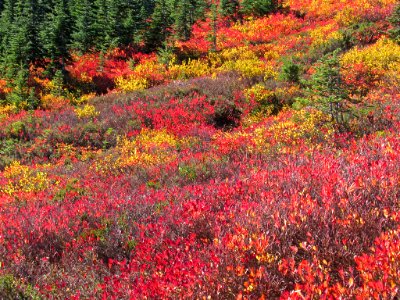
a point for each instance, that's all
(200, 149)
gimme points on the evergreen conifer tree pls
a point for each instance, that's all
(20, 48)
(230, 9)
(23, 39)
(84, 34)
(6, 26)
(187, 12)
(160, 25)
(101, 24)
(258, 7)
(55, 35)
(328, 88)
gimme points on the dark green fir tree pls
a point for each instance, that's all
(160, 25)
(55, 35)
(83, 36)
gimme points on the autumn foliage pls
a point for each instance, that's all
(213, 174)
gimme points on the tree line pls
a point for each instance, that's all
(48, 31)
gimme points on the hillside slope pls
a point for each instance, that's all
(266, 168)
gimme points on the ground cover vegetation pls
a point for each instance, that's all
(222, 150)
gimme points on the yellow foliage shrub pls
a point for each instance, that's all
(50, 101)
(309, 126)
(305, 124)
(150, 147)
(189, 69)
(321, 35)
(148, 68)
(258, 93)
(348, 10)
(144, 75)
(347, 16)
(215, 60)
(238, 53)
(156, 138)
(84, 98)
(133, 155)
(384, 55)
(23, 179)
(244, 61)
(131, 83)
(271, 55)
(247, 68)
(231, 55)
(270, 71)
(6, 110)
(234, 54)
(87, 111)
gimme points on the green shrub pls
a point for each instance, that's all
(394, 20)
(290, 71)
(328, 89)
(11, 289)
(16, 130)
(188, 172)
